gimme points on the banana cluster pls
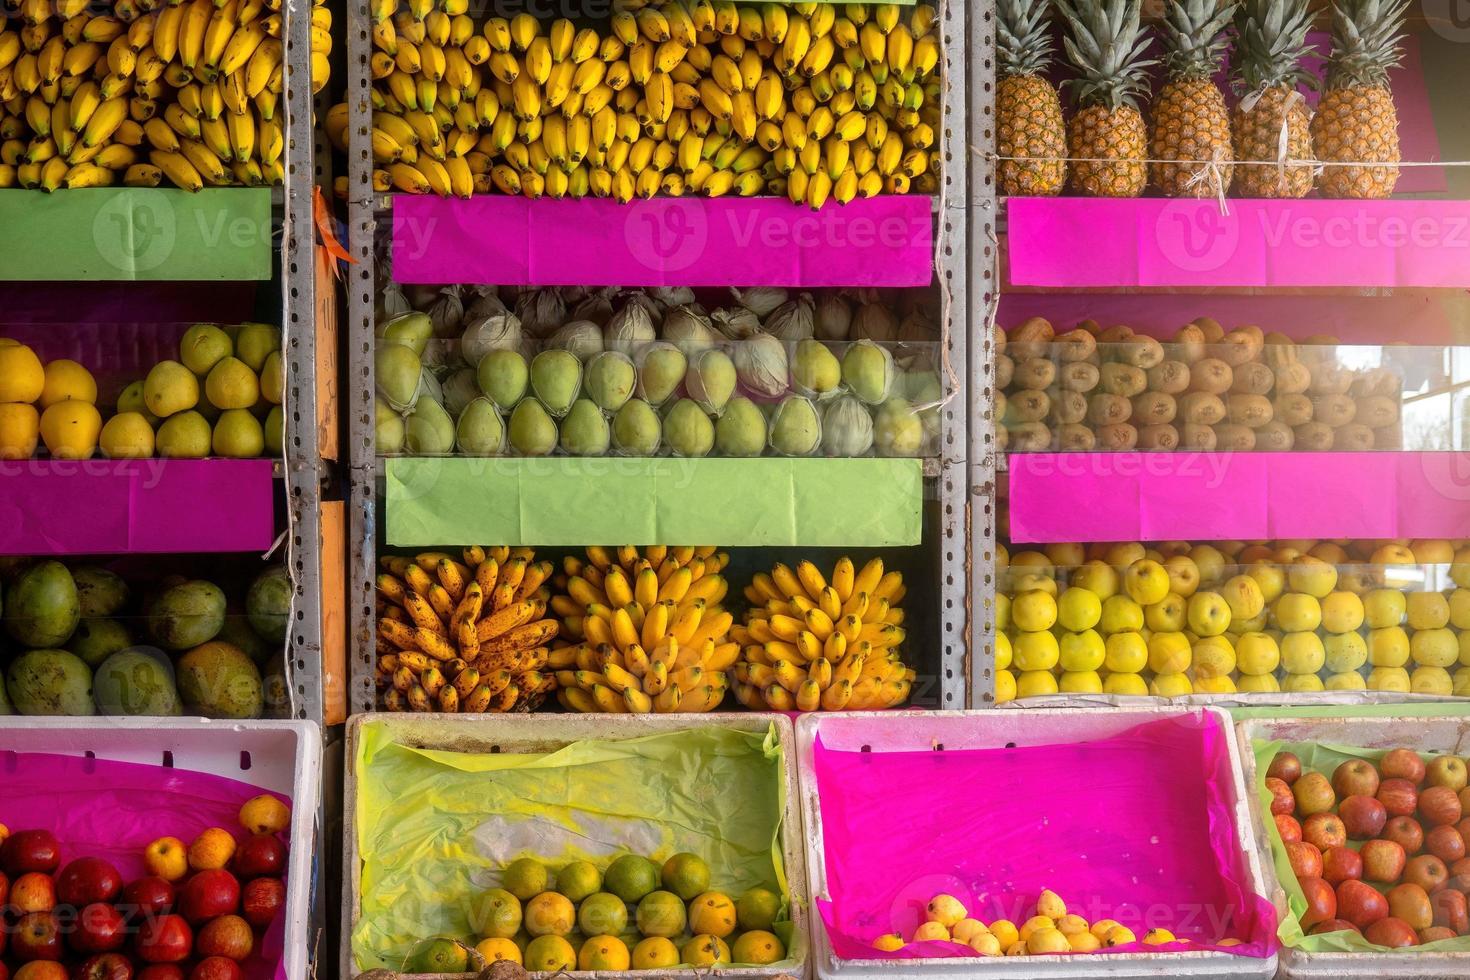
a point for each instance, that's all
(648, 632)
(811, 101)
(464, 636)
(809, 644)
(183, 90)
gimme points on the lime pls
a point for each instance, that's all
(705, 951)
(602, 914)
(549, 954)
(549, 914)
(686, 875)
(757, 908)
(438, 956)
(498, 914)
(712, 913)
(603, 953)
(661, 914)
(631, 877)
(578, 880)
(525, 878)
(654, 954)
(759, 947)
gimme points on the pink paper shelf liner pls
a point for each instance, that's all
(1080, 497)
(113, 810)
(881, 241)
(65, 507)
(1137, 828)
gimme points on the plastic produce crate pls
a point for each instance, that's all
(526, 733)
(926, 731)
(1442, 733)
(281, 756)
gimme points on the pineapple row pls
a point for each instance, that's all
(1196, 141)
(810, 643)
(465, 634)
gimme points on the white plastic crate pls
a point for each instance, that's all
(282, 756)
(526, 733)
(984, 729)
(1434, 733)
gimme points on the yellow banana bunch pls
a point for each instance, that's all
(645, 631)
(464, 633)
(815, 643)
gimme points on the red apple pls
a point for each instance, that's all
(165, 939)
(1426, 871)
(1321, 901)
(1391, 932)
(1362, 816)
(149, 895)
(229, 936)
(30, 850)
(1360, 903)
(1356, 777)
(104, 966)
(1460, 867)
(1313, 794)
(1434, 934)
(1305, 859)
(1439, 806)
(1383, 860)
(1447, 770)
(87, 880)
(208, 895)
(262, 900)
(1410, 903)
(33, 891)
(100, 928)
(1451, 909)
(1458, 883)
(36, 936)
(1324, 830)
(1445, 843)
(1399, 797)
(260, 855)
(1463, 827)
(161, 971)
(1287, 827)
(1282, 800)
(215, 968)
(1286, 767)
(1341, 863)
(1402, 764)
(1406, 832)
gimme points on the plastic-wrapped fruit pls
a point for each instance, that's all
(429, 431)
(480, 431)
(388, 428)
(741, 431)
(711, 380)
(397, 371)
(503, 376)
(532, 430)
(868, 372)
(584, 432)
(556, 378)
(897, 429)
(460, 388)
(611, 378)
(581, 338)
(688, 430)
(795, 428)
(760, 361)
(661, 368)
(636, 429)
(847, 427)
(815, 370)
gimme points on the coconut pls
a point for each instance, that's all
(796, 429)
(584, 431)
(741, 430)
(737, 323)
(582, 338)
(897, 429)
(689, 330)
(760, 363)
(412, 330)
(661, 367)
(556, 378)
(610, 380)
(760, 300)
(710, 380)
(397, 374)
(629, 330)
(503, 376)
(460, 388)
(832, 319)
(532, 431)
(815, 370)
(388, 429)
(498, 331)
(875, 322)
(481, 431)
(868, 371)
(429, 431)
(636, 429)
(688, 430)
(847, 427)
(793, 321)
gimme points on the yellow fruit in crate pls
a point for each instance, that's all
(1023, 582)
(888, 942)
(1270, 577)
(1257, 653)
(1297, 612)
(1072, 925)
(1214, 685)
(1244, 597)
(127, 436)
(1158, 937)
(1388, 647)
(67, 381)
(1078, 610)
(549, 954)
(1146, 582)
(70, 429)
(1302, 653)
(1167, 615)
(1465, 649)
(238, 435)
(1428, 610)
(1183, 575)
(1005, 686)
(1345, 651)
(1460, 570)
(1302, 683)
(273, 378)
(1002, 651)
(525, 878)
(1214, 657)
(1431, 680)
(966, 930)
(1102, 927)
(1122, 555)
(657, 953)
(1125, 652)
(1169, 653)
(22, 378)
(1460, 609)
(254, 342)
(1342, 612)
(1132, 685)
(603, 953)
(1005, 932)
(985, 944)
(1035, 684)
(497, 914)
(758, 947)
(946, 910)
(1434, 648)
(498, 949)
(1313, 576)
(1432, 551)
(1394, 679)
(1119, 936)
(705, 950)
(1083, 942)
(1462, 682)
(170, 388)
(1208, 614)
(1097, 577)
(1002, 612)
(1036, 651)
(1347, 680)
(231, 384)
(1033, 611)
(1082, 651)
(1257, 684)
(549, 914)
(1044, 942)
(1170, 685)
(203, 346)
(20, 429)
(1210, 561)
(713, 914)
(1050, 904)
(1383, 608)
(1120, 614)
(185, 435)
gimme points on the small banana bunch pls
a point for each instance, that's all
(648, 632)
(464, 636)
(809, 644)
(811, 101)
(140, 91)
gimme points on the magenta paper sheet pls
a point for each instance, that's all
(1151, 496)
(113, 810)
(1137, 828)
(881, 241)
(100, 506)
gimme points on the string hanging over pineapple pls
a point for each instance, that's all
(1191, 121)
(1106, 42)
(1272, 115)
(1356, 120)
(1028, 107)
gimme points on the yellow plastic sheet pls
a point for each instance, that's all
(434, 828)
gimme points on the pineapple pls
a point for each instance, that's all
(1356, 119)
(1106, 43)
(1028, 108)
(1191, 122)
(1271, 40)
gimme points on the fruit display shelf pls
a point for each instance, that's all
(443, 738)
(1443, 733)
(282, 757)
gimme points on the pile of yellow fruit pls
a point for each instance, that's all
(1179, 618)
(139, 91)
(56, 402)
(808, 101)
(1051, 930)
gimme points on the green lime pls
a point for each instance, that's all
(438, 956)
(578, 880)
(661, 914)
(686, 875)
(602, 914)
(525, 878)
(631, 877)
(757, 909)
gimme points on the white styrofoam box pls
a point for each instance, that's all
(1422, 733)
(988, 729)
(282, 756)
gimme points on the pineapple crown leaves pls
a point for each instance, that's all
(1194, 37)
(1106, 42)
(1271, 41)
(1365, 41)
(1022, 37)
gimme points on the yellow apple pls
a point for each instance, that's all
(1342, 612)
(1120, 556)
(1297, 612)
(1146, 582)
(1033, 561)
(1120, 614)
(1078, 609)
(1432, 552)
(1301, 683)
(1428, 610)
(1209, 613)
(1462, 683)
(1097, 577)
(1432, 680)
(1244, 597)
(1214, 685)
(1133, 685)
(1392, 554)
(1167, 614)
(1066, 555)
(1347, 680)
(1002, 650)
(1034, 611)
(1213, 657)
(1302, 653)
(1126, 653)
(1460, 570)
(1257, 653)
(1394, 679)
(166, 858)
(1005, 686)
(1270, 577)
(1028, 581)
(1329, 551)
(1170, 686)
(1171, 548)
(1388, 647)
(1254, 624)
(1035, 684)
(1258, 684)
(1357, 581)
(1383, 608)
(1460, 609)
(1286, 554)
(1168, 653)
(1345, 651)
(1082, 651)
(1434, 648)
(1311, 575)
(1465, 649)
(1183, 575)
(1035, 651)
(1211, 563)
(1081, 682)
(1002, 557)
(1002, 611)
